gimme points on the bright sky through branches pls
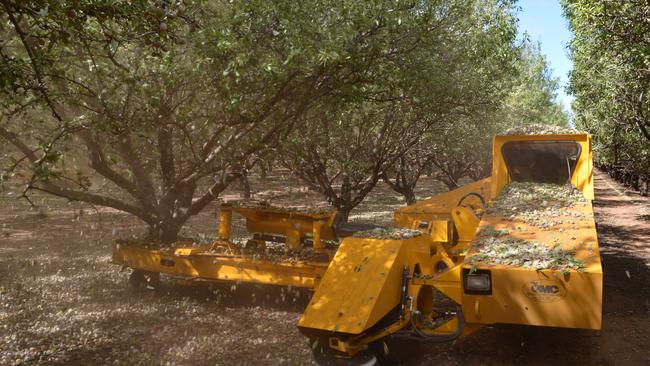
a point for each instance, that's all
(543, 20)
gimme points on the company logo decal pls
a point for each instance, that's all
(544, 291)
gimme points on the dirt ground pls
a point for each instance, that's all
(62, 302)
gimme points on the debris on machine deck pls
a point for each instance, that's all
(272, 253)
(532, 208)
(540, 204)
(155, 245)
(267, 206)
(506, 250)
(540, 129)
(388, 234)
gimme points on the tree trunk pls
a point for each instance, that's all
(263, 170)
(245, 186)
(169, 233)
(403, 186)
(343, 214)
(164, 232)
(409, 196)
(451, 185)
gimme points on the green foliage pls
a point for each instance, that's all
(611, 56)
(153, 108)
(498, 94)
(451, 73)
(533, 97)
(168, 103)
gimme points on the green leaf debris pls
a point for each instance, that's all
(541, 129)
(534, 204)
(539, 204)
(388, 234)
(507, 250)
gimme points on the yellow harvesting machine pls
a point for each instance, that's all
(518, 247)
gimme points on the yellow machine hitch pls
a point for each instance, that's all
(453, 262)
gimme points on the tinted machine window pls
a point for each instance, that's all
(541, 161)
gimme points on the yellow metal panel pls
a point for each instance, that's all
(546, 298)
(213, 267)
(225, 222)
(186, 251)
(439, 230)
(550, 298)
(449, 283)
(277, 221)
(362, 284)
(466, 223)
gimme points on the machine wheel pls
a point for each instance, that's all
(392, 352)
(382, 352)
(140, 280)
(325, 356)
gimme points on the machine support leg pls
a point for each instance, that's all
(225, 222)
(317, 242)
(293, 239)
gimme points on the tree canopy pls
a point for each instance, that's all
(611, 79)
(154, 108)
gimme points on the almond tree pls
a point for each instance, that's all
(407, 171)
(346, 152)
(610, 79)
(449, 70)
(515, 92)
(155, 108)
(467, 78)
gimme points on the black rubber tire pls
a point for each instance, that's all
(393, 352)
(325, 356)
(140, 280)
(383, 354)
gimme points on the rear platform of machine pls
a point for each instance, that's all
(287, 247)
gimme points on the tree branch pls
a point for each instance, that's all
(95, 199)
(32, 58)
(99, 163)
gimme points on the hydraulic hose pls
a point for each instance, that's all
(403, 298)
(435, 338)
(475, 194)
(442, 337)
